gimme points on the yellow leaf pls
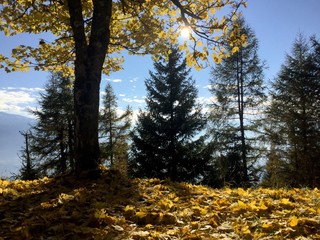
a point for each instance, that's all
(242, 192)
(212, 11)
(242, 205)
(141, 214)
(195, 225)
(176, 199)
(149, 226)
(286, 201)
(262, 206)
(199, 211)
(172, 231)
(173, 13)
(166, 204)
(293, 221)
(234, 17)
(161, 34)
(245, 230)
(267, 225)
(235, 49)
(128, 208)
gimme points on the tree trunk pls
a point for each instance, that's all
(28, 158)
(63, 157)
(71, 144)
(240, 90)
(86, 97)
(111, 147)
(90, 56)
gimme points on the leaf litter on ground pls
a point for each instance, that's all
(113, 207)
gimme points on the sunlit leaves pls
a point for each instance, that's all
(140, 27)
(235, 49)
(154, 209)
(293, 221)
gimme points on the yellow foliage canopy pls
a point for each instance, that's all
(140, 27)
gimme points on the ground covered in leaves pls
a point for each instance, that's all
(114, 208)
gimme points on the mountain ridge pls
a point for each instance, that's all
(11, 141)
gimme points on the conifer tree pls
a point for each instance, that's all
(28, 169)
(293, 118)
(114, 132)
(52, 137)
(164, 141)
(237, 85)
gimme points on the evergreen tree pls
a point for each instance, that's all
(28, 170)
(237, 85)
(164, 143)
(52, 137)
(293, 117)
(114, 132)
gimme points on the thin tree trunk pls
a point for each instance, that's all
(110, 136)
(71, 144)
(28, 158)
(172, 147)
(240, 90)
(63, 157)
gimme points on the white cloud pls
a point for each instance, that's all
(116, 80)
(209, 86)
(17, 101)
(133, 79)
(122, 95)
(206, 100)
(134, 100)
(24, 89)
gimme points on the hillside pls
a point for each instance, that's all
(115, 208)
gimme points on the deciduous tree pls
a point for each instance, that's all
(114, 132)
(86, 36)
(237, 85)
(293, 116)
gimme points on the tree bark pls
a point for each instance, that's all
(90, 56)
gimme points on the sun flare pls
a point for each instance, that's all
(185, 32)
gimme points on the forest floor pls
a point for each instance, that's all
(113, 207)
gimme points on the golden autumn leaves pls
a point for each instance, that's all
(116, 208)
(141, 27)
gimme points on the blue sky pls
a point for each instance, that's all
(275, 22)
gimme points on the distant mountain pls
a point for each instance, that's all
(11, 142)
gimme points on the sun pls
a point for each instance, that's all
(185, 32)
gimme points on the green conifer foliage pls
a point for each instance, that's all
(165, 143)
(293, 118)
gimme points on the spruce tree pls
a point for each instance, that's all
(237, 85)
(114, 132)
(293, 117)
(164, 141)
(52, 138)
